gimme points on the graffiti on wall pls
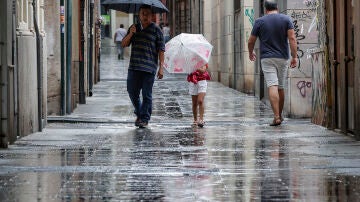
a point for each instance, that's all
(299, 37)
(306, 31)
(311, 3)
(249, 12)
(301, 15)
(319, 105)
(320, 102)
(302, 86)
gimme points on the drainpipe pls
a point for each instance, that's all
(99, 47)
(4, 134)
(82, 41)
(15, 74)
(62, 39)
(68, 54)
(90, 68)
(234, 52)
(39, 69)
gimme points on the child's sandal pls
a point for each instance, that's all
(201, 123)
(195, 123)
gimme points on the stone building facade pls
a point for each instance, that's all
(47, 50)
(325, 84)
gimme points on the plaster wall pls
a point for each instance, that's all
(299, 93)
(53, 46)
(28, 102)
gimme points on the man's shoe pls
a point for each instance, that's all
(276, 121)
(143, 124)
(137, 122)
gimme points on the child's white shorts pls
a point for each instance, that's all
(200, 87)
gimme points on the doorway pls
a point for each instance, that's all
(343, 67)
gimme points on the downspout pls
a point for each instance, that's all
(68, 55)
(99, 44)
(16, 75)
(97, 50)
(39, 69)
(96, 55)
(234, 52)
(62, 56)
(82, 41)
(90, 67)
(4, 134)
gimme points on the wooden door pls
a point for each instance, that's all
(340, 107)
(349, 65)
(343, 66)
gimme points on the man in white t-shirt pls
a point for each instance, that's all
(166, 32)
(118, 37)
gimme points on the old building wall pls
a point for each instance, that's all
(321, 68)
(28, 78)
(28, 100)
(245, 70)
(75, 53)
(222, 60)
(357, 69)
(305, 20)
(53, 46)
(5, 60)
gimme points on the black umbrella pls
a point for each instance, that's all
(133, 6)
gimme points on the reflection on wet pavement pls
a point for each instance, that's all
(97, 155)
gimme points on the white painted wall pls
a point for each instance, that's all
(113, 23)
(28, 102)
(218, 28)
(299, 93)
(127, 21)
(27, 65)
(53, 46)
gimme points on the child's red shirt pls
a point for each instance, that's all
(196, 76)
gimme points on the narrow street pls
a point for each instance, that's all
(96, 153)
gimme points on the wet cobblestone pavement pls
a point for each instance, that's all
(96, 154)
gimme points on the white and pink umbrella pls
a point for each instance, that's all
(186, 52)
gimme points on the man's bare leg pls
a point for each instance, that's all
(274, 100)
(281, 101)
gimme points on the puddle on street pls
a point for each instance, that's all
(188, 164)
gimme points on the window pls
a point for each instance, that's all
(22, 7)
(237, 5)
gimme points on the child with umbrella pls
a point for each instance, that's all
(197, 89)
(190, 54)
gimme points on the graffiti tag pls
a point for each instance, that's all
(311, 3)
(300, 15)
(302, 85)
(250, 13)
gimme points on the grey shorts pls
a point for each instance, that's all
(275, 71)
